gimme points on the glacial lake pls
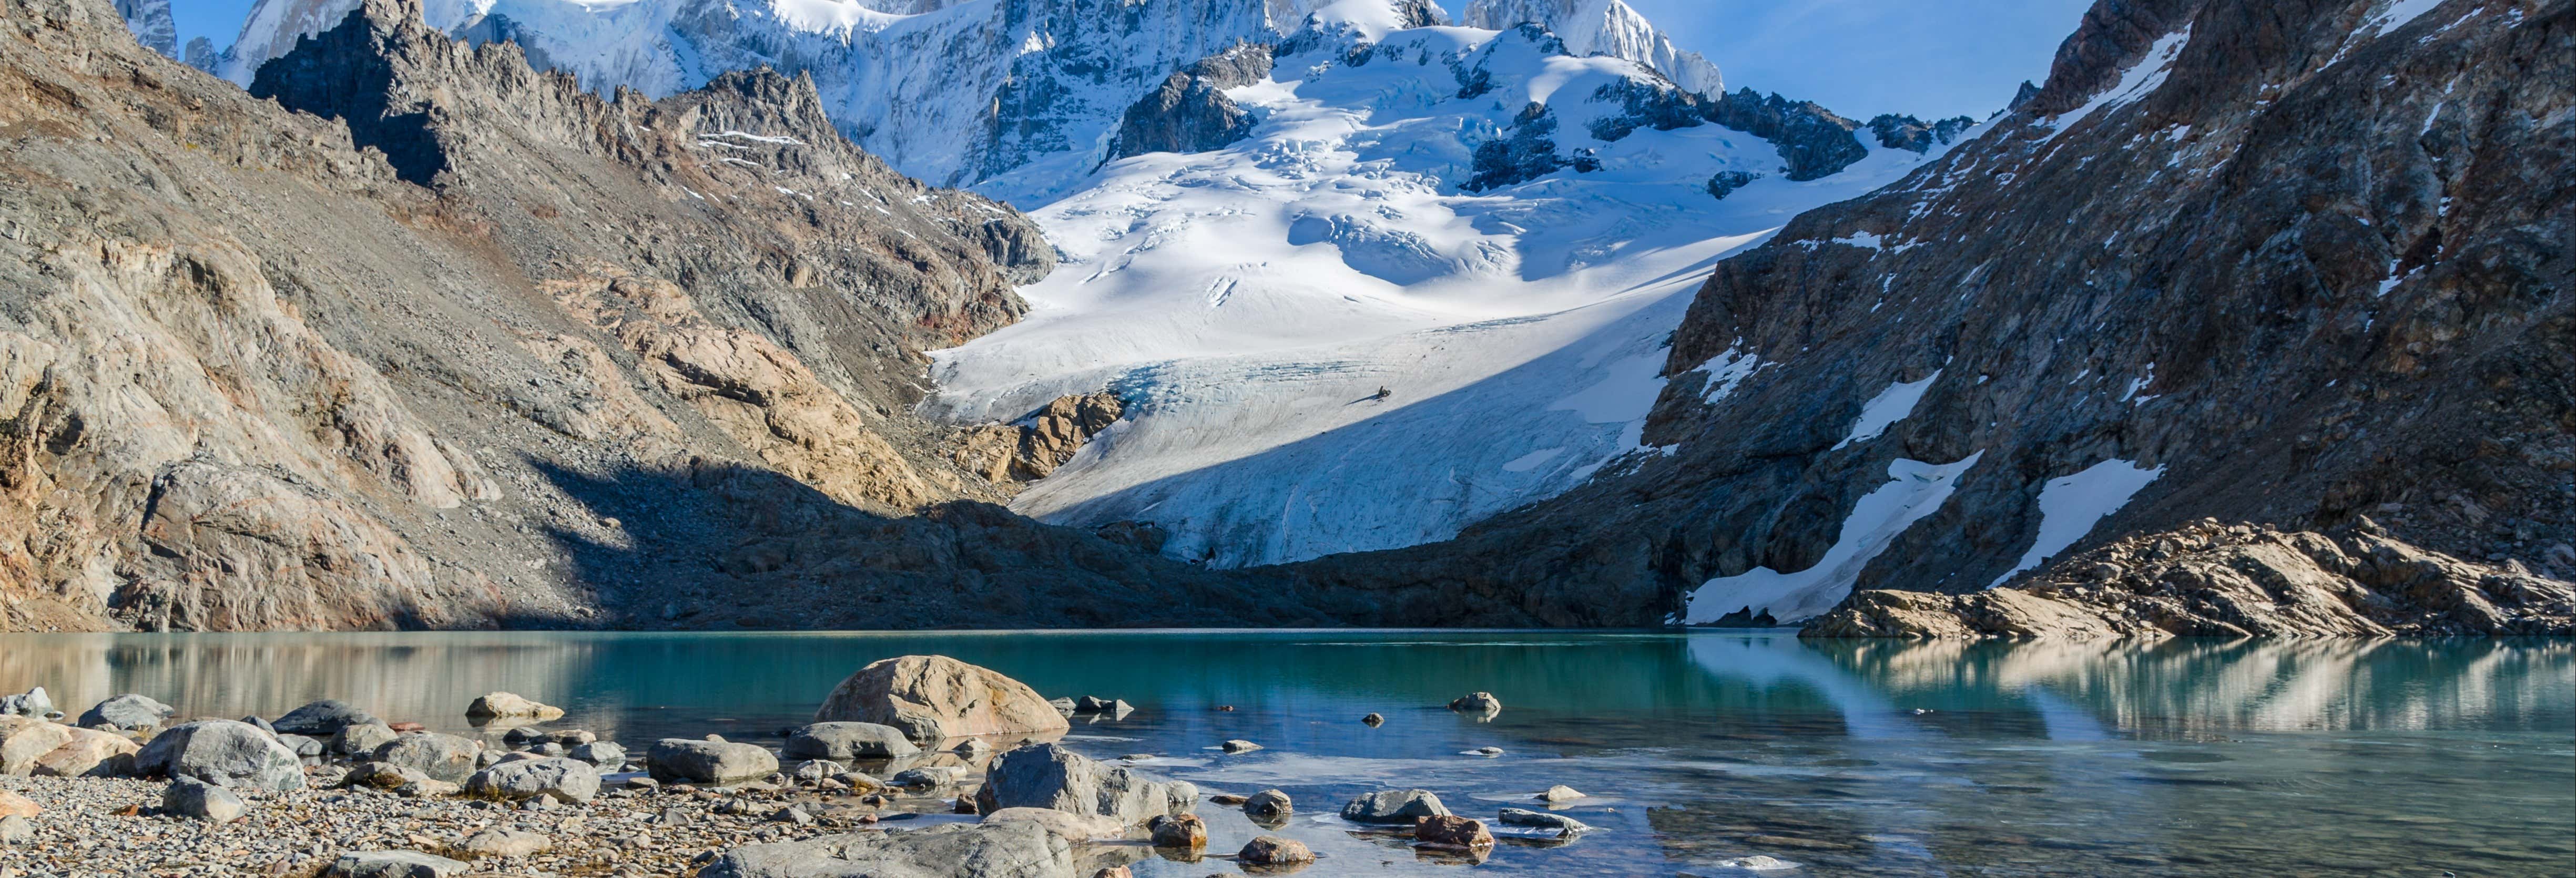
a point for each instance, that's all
(1845, 757)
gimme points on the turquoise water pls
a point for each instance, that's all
(1847, 758)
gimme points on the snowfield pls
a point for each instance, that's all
(1250, 303)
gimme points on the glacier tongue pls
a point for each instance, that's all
(1251, 302)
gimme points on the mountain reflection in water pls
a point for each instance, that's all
(1850, 757)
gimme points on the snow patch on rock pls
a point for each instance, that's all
(2069, 506)
(1916, 489)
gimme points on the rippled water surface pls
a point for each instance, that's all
(1846, 758)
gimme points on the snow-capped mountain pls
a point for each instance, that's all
(1443, 257)
(150, 21)
(1602, 27)
(1433, 283)
(952, 92)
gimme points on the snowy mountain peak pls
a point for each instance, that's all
(1603, 27)
(150, 21)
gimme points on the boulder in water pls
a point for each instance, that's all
(1049, 776)
(848, 741)
(1271, 850)
(1394, 806)
(510, 705)
(934, 698)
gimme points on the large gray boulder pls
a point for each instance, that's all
(444, 757)
(1004, 849)
(569, 781)
(1394, 806)
(322, 719)
(392, 864)
(716, 762)
(934, 698)
(1049, 776)
(848, 741)
(128, 711)
(222, 752)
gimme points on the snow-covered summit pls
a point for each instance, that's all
(1602, 27)
(952, 91)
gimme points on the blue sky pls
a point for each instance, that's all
(1865, 57)
(1857, 57)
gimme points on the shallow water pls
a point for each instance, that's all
(1847, 758)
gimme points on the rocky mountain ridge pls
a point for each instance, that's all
(483, 349)
(2260, 263)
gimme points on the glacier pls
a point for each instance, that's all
(1251, 302)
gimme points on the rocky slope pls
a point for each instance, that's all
(463, 345)
(2287, 264)
(2211, 580)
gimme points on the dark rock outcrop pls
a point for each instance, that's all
(1813, 142)
(2211, 580)
(1527, 154)
(1189, 112)
(1915, 135)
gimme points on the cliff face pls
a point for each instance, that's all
(460, 345)
(2278, 263)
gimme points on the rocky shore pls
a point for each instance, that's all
(2209, 579)
(914, 766)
